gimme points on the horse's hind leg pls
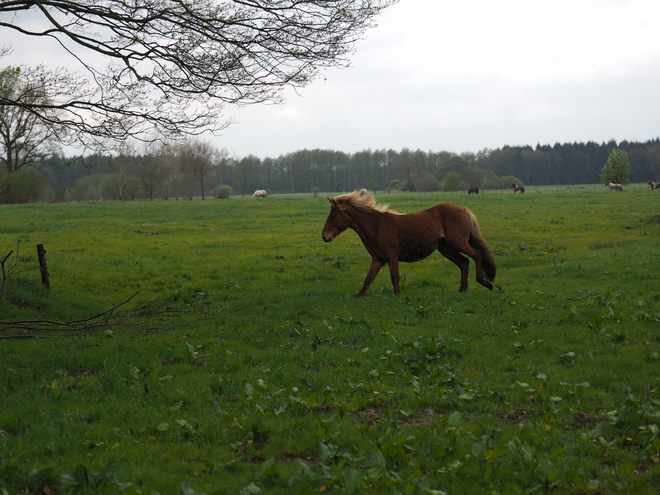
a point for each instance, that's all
(475, 254)
(454, 255)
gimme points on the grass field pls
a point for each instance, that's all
(241, 363)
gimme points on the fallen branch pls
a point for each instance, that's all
(91, 323)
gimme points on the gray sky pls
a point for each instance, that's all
(473, 74)
(458, 76)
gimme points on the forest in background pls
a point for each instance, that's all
(197, 169)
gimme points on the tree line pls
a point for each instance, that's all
(172, 83)
(196, 168)
(151, 72)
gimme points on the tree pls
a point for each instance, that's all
(152, 171)
(24, 136)
(617, 168)
(123, 184)
(425, 182)
(196, 159)
(168, 68)
(461, 167)
(79, 189)
(452, 182)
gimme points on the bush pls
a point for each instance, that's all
(487, 179)
(120, 187)
(395, 185)
(425, 182)
(22, 186)
(78, 191)
(222, 191)
(506, 181)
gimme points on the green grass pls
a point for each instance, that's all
(243, 364)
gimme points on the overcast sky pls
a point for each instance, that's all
(457, 76)
(472, 74)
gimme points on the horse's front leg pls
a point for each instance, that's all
(375, 267)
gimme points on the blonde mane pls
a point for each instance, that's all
(361, 200)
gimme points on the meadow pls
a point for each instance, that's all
(236, 361)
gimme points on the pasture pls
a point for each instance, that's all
(242, 363)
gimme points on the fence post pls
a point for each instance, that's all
(41, 252)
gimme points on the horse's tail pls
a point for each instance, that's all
(476, 240)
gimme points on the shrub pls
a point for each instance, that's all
(395, 185)
(506, 181)
(22, 186)
(222, 191)
(425, 182)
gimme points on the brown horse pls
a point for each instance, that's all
(517, 188)
(473, 190)
(614, 187)
(653, 185)
(391, 237)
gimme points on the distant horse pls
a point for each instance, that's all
(473, 190)
(260, 193)
(517, 188)
(614, 187)
(653, 185)
(391, 237)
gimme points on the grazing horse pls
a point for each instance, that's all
(653, 185)
(614, 187)
(517, 188)
(260, 193)
(391, 237)
(473, 190)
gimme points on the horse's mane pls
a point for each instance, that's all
(363, 201)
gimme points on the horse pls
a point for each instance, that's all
(390, 237)
(517, 188)
(259, 193)
(473, 190)
(653, 185)
(614, 187)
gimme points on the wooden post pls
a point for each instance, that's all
(41, 252)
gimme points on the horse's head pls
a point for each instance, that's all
(338, 221)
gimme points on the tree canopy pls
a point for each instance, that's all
(24, 136)
(617, 168)
(167, 68)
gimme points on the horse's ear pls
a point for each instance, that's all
(333, 202)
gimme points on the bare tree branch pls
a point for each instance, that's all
(174, 64)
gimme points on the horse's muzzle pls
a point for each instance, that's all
(327, 238)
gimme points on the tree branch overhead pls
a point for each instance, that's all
(173, 65)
